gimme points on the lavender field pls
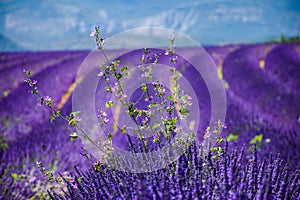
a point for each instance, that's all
(260, 160)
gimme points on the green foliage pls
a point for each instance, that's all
(184, 111)
(52, 118)
(232, 137)
(151, 105)
(3, 143)
(113, 73)
(284, 39)
(256, 139)
(215, 135)
(124, 129)
(74, 114)
(155, 126)
(109, 104)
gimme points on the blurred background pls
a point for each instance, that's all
(61, 25)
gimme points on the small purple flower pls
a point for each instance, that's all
(161, 90)
(73, 183)
(176, 130)
(145, 120)
(72, 180)
(188, 100)
(115, 88)
(75, 186)
(145, 75)
(149, 99)
(149, 58)
(77, 118)
(100, 74)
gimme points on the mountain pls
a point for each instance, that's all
(7, 45)
(54, 24)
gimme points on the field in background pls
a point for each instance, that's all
(262, 84)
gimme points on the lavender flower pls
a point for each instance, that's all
(194, 177)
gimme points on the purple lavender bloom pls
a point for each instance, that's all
(262, 99)
(194, 177)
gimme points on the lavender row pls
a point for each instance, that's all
(257, 93)
(9, 60)
(273, 140)
(11, 77)
(283, 63)
(53, 81)
(192, 177)
(49, 144)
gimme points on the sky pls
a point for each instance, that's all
(66, 24)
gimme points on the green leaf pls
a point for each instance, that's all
(35, 91)
(118, 76)
(123, 69)
(14, 175)
(52, 118)
(155, 126)
(152, 104)
(109, 104)
(144, 87)
(73, 122)
(74, 114)
(57, 113)
(256, 139)
(109, 136)
(107, 88)
(184, 111)
(232, 137)
(170, 98)
(28, 73)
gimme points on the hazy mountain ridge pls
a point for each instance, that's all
(7, 45)
(50, 25)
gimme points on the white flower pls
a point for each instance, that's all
(124, 96)
(93, 34)
(47, 98)
(106, 120)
